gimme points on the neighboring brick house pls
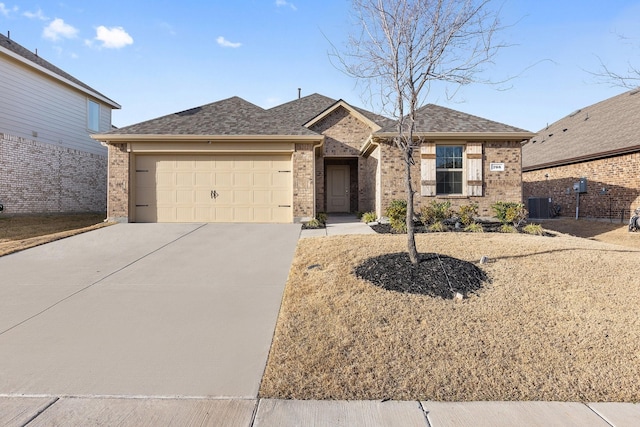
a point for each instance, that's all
(601, 143)
(233, 161)
(48, 162)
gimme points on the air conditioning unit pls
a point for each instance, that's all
(539, 207)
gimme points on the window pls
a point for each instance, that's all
(93, 116)
(449, 169)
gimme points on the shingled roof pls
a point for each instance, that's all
(303, 109)
(237, 117)
(604, 129)
(25, 53)
(232, 116)
(436, 119)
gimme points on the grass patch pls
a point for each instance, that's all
(22, 232)
(554, 324)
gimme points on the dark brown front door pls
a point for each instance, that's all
(338, 180)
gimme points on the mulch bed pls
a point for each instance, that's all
(434, 275)
(487, 227)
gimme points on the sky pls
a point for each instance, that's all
(159, 57)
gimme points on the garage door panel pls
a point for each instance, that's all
(223, 179)
(203, 179)
(242, 179)
(164, 179)
(164, 197)
(185, 179)
(280, 180)
(280, 197)
(261, 197)
(185, 197)
(214, 188)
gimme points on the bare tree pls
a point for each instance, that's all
(630, 79)
(406, 45)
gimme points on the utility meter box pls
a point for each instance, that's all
(582, 185)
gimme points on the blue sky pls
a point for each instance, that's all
(159, 57)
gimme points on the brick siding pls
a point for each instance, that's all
(497, 186)
(118, 191)
(619, 175)
(303, 158)
(44, 178)
(345, 135)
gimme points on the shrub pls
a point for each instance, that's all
(437, 226)
(510, 212)
(314, 223)
(397, 214)
(368, 217)
(468, 213)
(321, 217)
(435, 211)
(535, 229)
(508, 228)
(474, 227)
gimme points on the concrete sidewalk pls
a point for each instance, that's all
(125, 412)
(338, 224)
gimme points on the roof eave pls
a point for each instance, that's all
(115, 138)
(341, 103)
(463, 135)
(589, 157)
(58, 77)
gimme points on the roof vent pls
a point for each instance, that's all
(564, 130)
(574, 113)
(189, 112)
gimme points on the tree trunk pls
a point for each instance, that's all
(411, 233)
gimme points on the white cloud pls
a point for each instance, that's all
(113, 38)
(226, 43)
(6, 11)
(57, 29)
(281, 3)
(38, 14)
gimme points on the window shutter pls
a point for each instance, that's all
(474, 169)
(428, 169)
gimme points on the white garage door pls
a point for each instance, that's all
(213, 188)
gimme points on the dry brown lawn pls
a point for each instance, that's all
(23, 232)
(558, 322)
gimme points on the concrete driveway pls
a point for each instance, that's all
(144, 310)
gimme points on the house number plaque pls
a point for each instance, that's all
(496, 167)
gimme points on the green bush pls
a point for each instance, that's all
(474, 227)
(468, 214)
(507, 228)
(535, 229)
(368, 217)
(435, 211)
(438, 226)
(397, 214)
(314, 223)
(510, 212)
(321, 217)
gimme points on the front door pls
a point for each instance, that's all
(338, 188)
